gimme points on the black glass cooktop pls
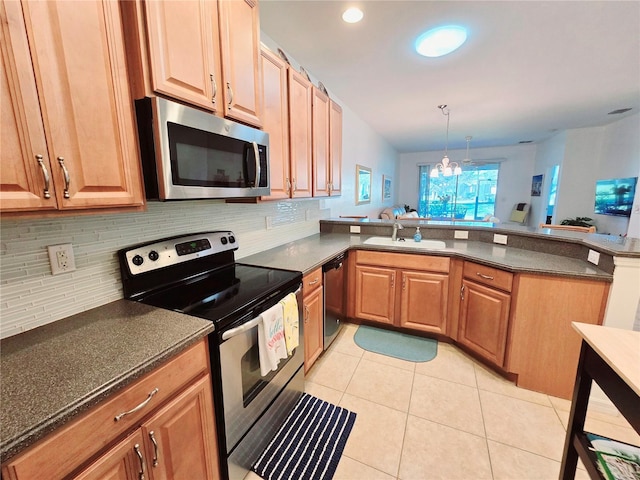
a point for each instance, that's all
(225, 293)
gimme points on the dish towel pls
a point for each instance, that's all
(291, 319)
(271, 345)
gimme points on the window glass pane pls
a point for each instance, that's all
(469, 196)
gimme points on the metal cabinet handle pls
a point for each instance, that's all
(139, 407)
(393, 280)
(136, 448)
(214, 87)
(295, 185)
(288, 188)
(67, 178)
(230, 90)
(45, 174)
(306, 314)
(462, 293)
(313, 282)
(486, 277)
(404, 282)
(155, 448)
(329, 187)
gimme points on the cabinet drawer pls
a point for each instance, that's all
(403, 260)
(311, 281)
(69, 447)
(489, 276)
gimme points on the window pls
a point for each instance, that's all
(470, 196)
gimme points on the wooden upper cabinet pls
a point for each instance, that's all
(240, 51)
(335, 148)
(25, 176)
(87, 112)
(184, 50)
(299, 92)
(276, 123)
(320, 142)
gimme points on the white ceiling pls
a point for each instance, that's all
(527, 70)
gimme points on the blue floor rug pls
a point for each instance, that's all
(396, 344)
(309, 444)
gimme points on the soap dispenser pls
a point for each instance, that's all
(418, 236)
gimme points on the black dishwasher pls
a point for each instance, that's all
(334, 272)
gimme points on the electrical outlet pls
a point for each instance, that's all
(354, 229)
(268, 222)
(461, 235)
(501, 239)
(61, 258)
(593, 257)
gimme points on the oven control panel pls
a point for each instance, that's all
(172, 251)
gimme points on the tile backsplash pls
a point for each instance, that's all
(31, 296)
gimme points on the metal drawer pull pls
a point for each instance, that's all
(462, 293)
(45, 174)
(139, 407)
(306, 314)
(486, 277)
(313, 282)
(230, 94)
(136, 448)
(67, 178)
(214, 87)
(404, 282)
(393, 280)
(155, 448)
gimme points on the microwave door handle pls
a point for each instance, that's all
(256, 154)
(242, 328)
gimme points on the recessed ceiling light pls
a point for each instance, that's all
(441, 40)
(352, 15)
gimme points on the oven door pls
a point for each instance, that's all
(246, 394)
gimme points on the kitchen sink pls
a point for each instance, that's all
(408, 243)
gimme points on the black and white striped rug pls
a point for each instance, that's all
(309, 444)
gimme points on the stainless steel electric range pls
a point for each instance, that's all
(197, 275)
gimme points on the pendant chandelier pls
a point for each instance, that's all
(447, 167)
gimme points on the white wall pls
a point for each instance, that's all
(514, 180)
(586, 155)
(548, 154)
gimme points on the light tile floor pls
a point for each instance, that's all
(450, 418)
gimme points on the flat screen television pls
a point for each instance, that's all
(615, 196)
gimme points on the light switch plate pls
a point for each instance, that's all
(593, 257)
(354, 229)
(461, 234)
(501, 239)
(61, 258)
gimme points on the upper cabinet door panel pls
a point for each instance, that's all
(181, 43)
(78, 57)
(240, 50)
(25, 176)
(321, 174)
(300, 133)
(335, 147)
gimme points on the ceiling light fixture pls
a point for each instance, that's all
(447, 167)
(466, 158)
(441, 40)
(352, 15)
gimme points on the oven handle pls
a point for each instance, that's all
(249, 325)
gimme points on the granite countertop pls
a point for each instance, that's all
(311, 252)
(54, 372)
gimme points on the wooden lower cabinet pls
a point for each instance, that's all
(313, 316)
(484, 319)
(167, 432)
(403, 297)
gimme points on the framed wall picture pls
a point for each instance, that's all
(536, 185)
(386, 187)
(363, 185)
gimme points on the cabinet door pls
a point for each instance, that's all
(424, 301)
(86, 106)
(335, 148)
(313, 327)
(183, 45)
(125, 461)
(484, 317)
(375, 293)
(240, 51)
(276, 123)
(180, 439)
(300, 133)
(320, 143)
(25, 182)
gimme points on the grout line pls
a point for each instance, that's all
(366, 465)
(484, 425)
(406, 422)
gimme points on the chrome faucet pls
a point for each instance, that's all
(396, 226)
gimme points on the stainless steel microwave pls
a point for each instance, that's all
(190, 154)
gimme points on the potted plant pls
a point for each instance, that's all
(578, 221)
